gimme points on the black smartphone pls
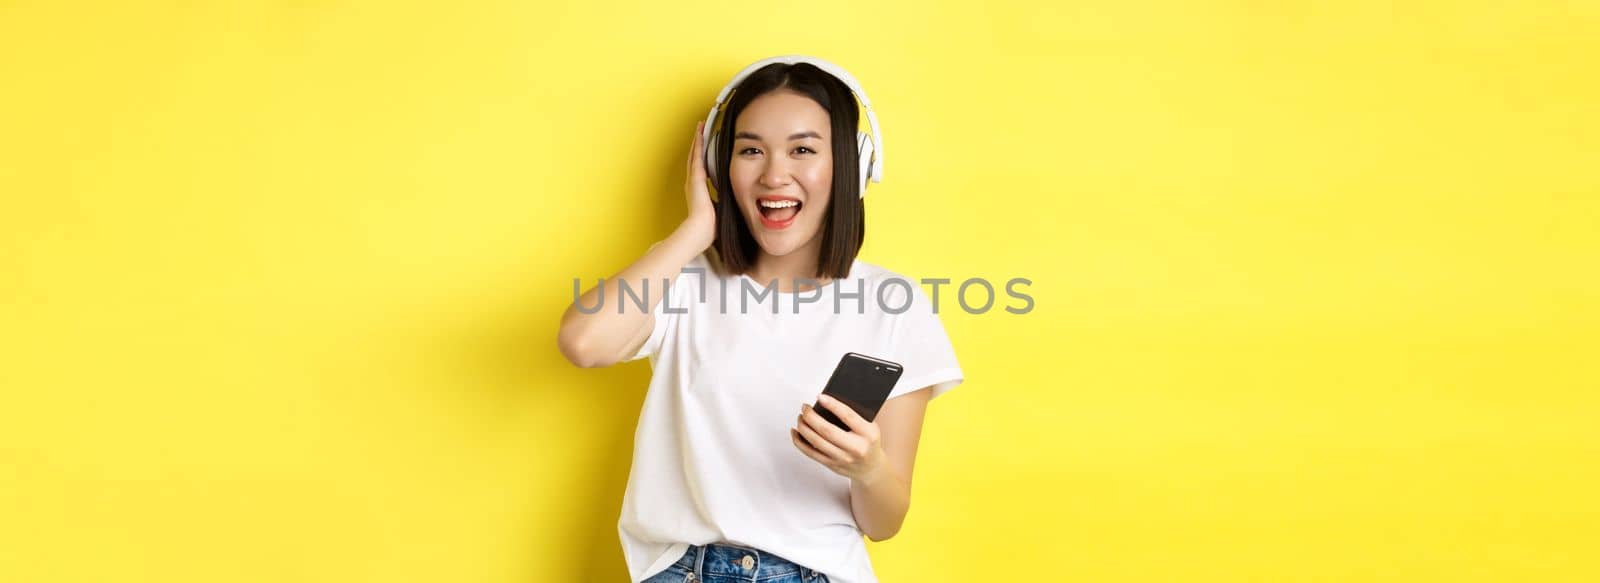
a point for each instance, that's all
(863, 383)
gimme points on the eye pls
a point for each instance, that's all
(748, 151)
(808, 150)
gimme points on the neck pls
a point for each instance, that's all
(787, 270)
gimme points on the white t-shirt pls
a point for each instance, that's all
(712, 456)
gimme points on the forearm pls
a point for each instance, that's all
(596, 339)
(880, 502)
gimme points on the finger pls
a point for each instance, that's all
(821, 444)
(698, 164)
(810, 452)
(812, 417)
(829, 439)
(688, 165)
(849, 416)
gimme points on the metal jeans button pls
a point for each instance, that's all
(748, 562)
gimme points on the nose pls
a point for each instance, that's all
(775, 175)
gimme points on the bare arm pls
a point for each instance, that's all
(878, 456)
(880, 500)
(606, 337)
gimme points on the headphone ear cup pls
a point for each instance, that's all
(711, 158)
(864, 146)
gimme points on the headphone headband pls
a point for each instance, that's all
(872, 161)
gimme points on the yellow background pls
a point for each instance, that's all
(1315, 284)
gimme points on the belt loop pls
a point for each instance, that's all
(699, 561)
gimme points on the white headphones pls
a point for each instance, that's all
(870, 147)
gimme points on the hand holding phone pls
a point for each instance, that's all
(861, 382)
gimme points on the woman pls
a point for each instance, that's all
(766, 295)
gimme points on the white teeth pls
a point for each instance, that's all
(778, 204)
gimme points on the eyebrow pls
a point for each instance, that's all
(751, 136)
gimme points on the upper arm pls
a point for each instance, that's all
(900, 428)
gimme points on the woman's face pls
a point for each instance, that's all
(782, 169)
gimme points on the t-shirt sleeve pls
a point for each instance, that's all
(923, 349)
(683, 287)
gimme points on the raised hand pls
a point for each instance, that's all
(702, 219)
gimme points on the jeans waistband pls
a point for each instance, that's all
(728, 559)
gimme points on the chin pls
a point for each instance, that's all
(778, 251)
(782, 243)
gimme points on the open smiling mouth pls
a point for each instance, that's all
(778, 214)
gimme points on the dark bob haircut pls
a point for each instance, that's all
(844, 224)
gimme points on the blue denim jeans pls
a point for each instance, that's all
(726, 563)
